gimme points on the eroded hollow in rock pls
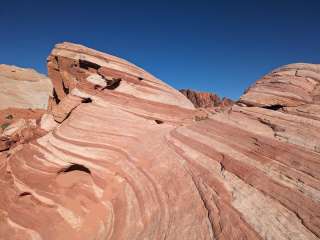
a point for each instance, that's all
(86, 100)
(75, 167)
(113, 84)
(24, 194)
(274, 107)
(159, 121)
(55, 96)
(86, 65)
(97, 86)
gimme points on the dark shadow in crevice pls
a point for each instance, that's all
(55, 96)
(66, 117)
(97, 87)
(86, 100)
(86, 65)
(24, 194)
(274, 107)
(65, 89)
(159, 121)
(113, 84)
(75, 167)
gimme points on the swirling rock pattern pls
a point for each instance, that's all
(129, 159)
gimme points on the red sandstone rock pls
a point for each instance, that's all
(132, 159)
(20, 131)
(18, 126)
(289, 86)
(5, 143)
(205, 99)
(9, 115)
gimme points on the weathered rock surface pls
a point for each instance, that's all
(23, 88)
(206, 99)
(287, 101)
(9, 115)
(18, 126)
(132, 159)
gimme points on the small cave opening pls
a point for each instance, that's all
(75, 167)
(86, 65)
(140, 78)
(86, 100)
(274, 107)
(159, 121)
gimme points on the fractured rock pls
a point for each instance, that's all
(205, 99)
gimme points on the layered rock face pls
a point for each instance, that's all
(288, 101)
(23, 88)
(205, 99)
(131, 159)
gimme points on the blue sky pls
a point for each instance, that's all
(216, 46)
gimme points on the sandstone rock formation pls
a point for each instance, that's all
(24, 96)
(206, 99)
(19, 126)
(132, 159)
(23, 88)
(288, 101)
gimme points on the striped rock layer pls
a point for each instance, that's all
(130, 159)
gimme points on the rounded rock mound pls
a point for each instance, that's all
(23, 88)
(291, 85)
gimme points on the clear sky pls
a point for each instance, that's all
(218, 46)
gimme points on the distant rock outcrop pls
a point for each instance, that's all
(126, 156)
(23, 88)
(205, 99)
